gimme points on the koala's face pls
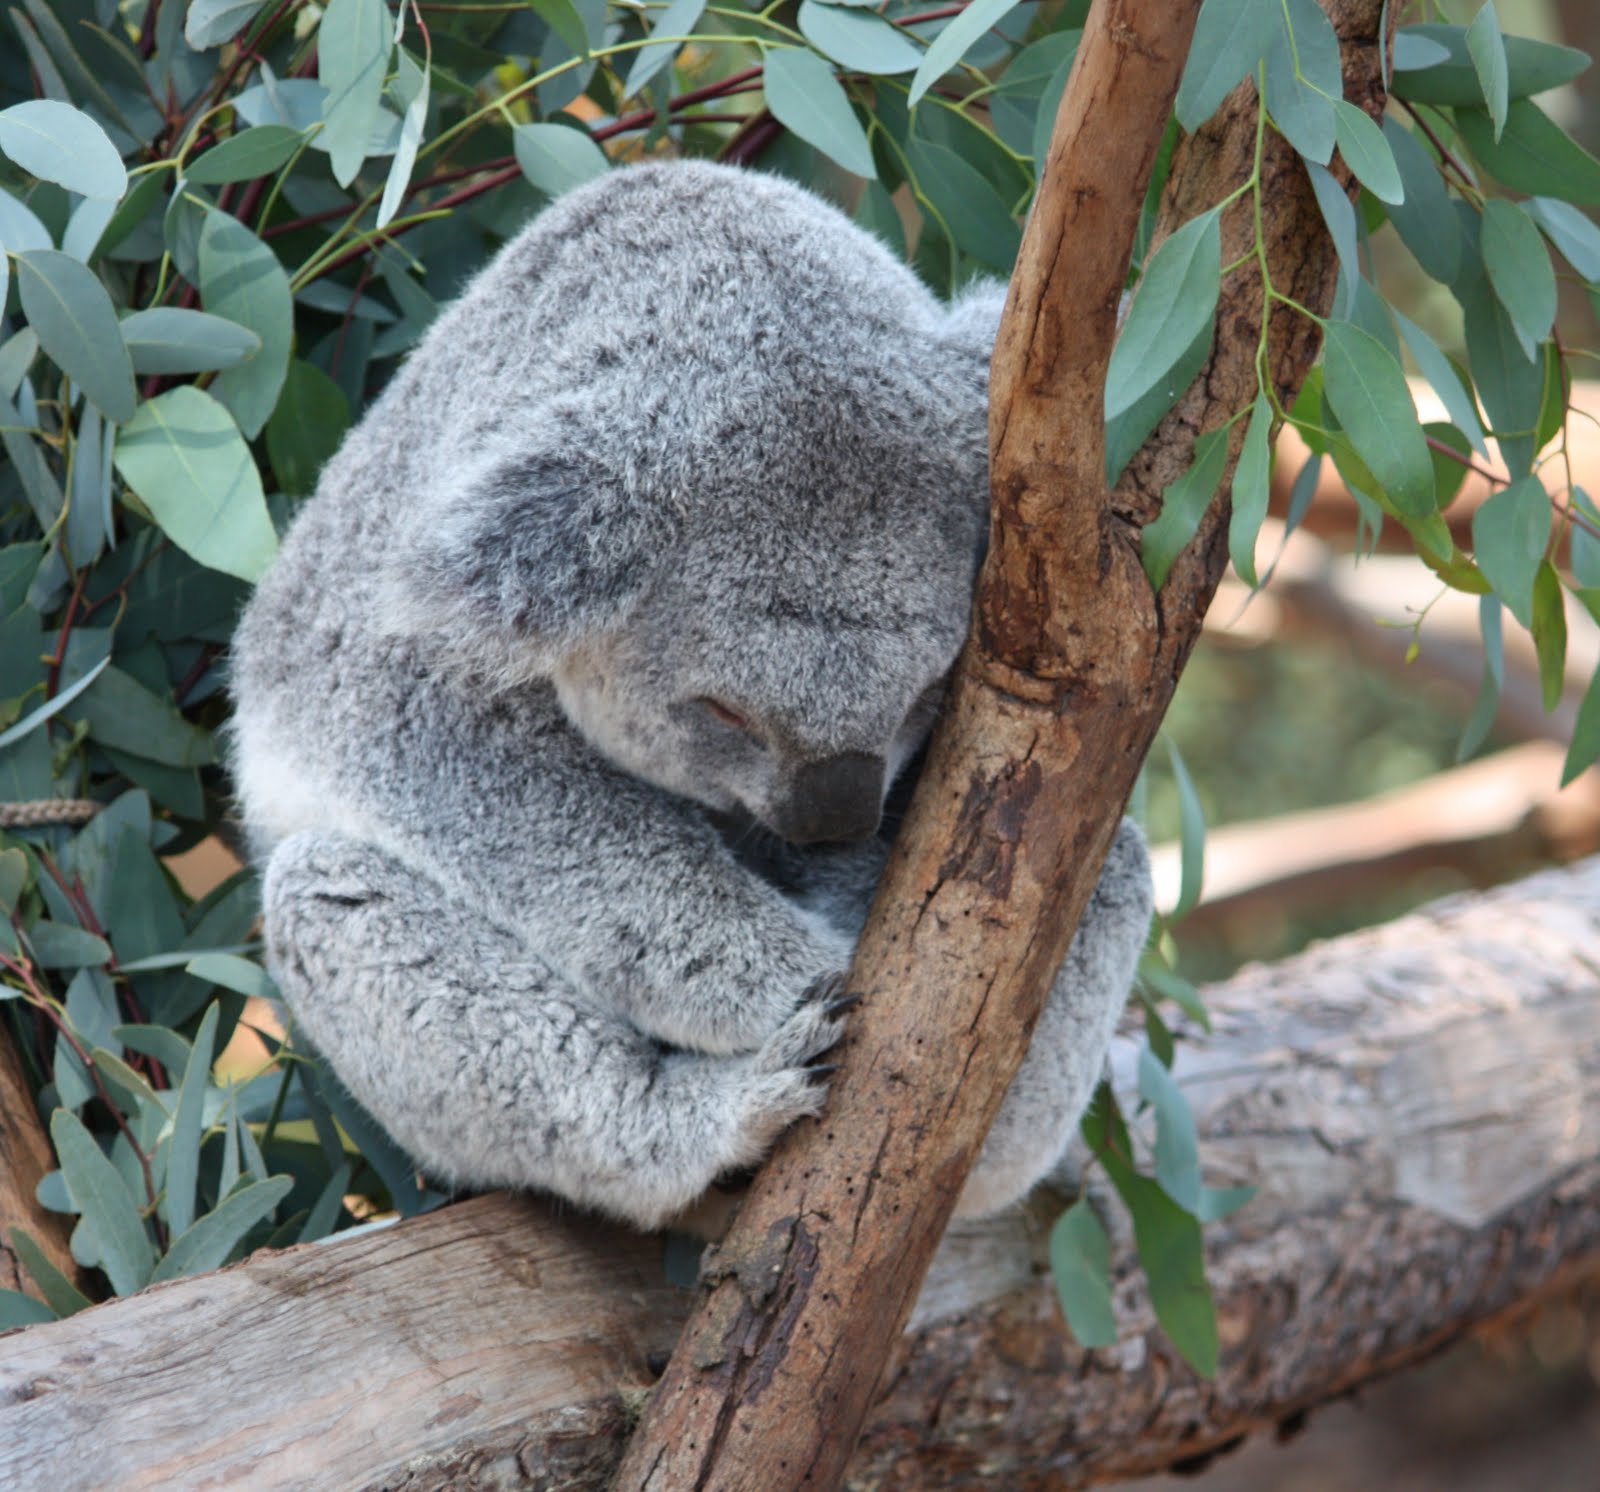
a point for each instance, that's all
(791, 685)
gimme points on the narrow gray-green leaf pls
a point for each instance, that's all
(353, 45)
(99, 1193)
(168, 339)
(1441, 71)
(210, 1241)
(58, 143)
(1510, 383)
(1367, 389)
(1425, 221)
(53, 706)
(806, 98)
(955, 41)
(121, 713)
(232, 972)
(1446, 382)
(258, 151)
(58, 945)
(411, 86)
(1550, 634)
(1340, 218)
(562, 18)
(974, 213)
(20, 228)
(1177, 1145)
(240, 278)
(1304, 77)
(1175, 302)
(677, 21)
(556, 158)
(1367, 153)
(325, 1210)
(64, 1298)
(1183, 504)
(209, 23)
(1520, 271)
(1488, 52)
(1571, 231)
(858, 39)
(69, 310)
(1230, 37)
(17, 1309)
(1509, 533)
(1585, 748)
(1533, 154)
(187, 461)
(1251, 489)
(183, 1154)
(1080, 1260)
(306, 427)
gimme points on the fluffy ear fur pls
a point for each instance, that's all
(526, 556)
(974, 318)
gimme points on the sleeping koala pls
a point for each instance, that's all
(567, 715)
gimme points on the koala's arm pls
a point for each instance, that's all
(632, 895)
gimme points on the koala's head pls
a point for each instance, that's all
(743, 546)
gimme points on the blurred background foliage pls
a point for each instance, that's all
(225, 221)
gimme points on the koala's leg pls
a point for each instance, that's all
(489, 1068)
(1040, 1114)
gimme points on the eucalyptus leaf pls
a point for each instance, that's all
(1533, 154)
(257, 151)
(555, 159)
(1251, 491)
(210, 1241)
(1519, 269)
(857, 39)
(1571, 231)
(1230, 38)
(183, 1155)
(169, 339)
(1177, 1143)
(1509, 533)
(1486, 47)
(209, 23)
(102, 1197)
(1183, 504)
(307, 426)
(1080, 1261)
(805, 97)
(1423, 217)
(353, 46)
(1366, 152)
(69, 310)
(1304, 77)
(972, 211)
(412, 87)
(676, 22)
(59, 143)
(1445, 72)
(1368, 392)
(241, 279)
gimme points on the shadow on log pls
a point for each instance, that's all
(1417, 1103)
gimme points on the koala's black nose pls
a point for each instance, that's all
(840, 798)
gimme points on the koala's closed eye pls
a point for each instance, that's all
(728, 716)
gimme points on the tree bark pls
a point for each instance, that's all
(25, 1156)
(1416, 1104)
(1067, 671)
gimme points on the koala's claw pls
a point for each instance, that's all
(820, 1072)
(848, 1002)
(824, 989)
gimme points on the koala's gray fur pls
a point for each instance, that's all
(691, 437)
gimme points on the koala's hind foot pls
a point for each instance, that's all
(494, 1071)
(1057, 1079)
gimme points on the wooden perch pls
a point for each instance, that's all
(1418, 1104)
(25, 1156)
(1506, 810)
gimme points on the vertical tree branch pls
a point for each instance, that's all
(25, 1156)
(1067, 672)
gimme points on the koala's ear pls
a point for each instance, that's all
(525, 556)
(974, 317)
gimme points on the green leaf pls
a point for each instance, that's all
(1571, 232)
(183, 1155)
(1509, 534)
(1533, 155)
(1191, 834)
(187, 461)
(17, 1309)
(411, 87)
(806, 98)
(61, 1295)
(1080, 1260)
(258, 151)
(168, 339)
(53, 706)
(1251, 490)
(100, 1194)
(241, 279)
(1304, 77)
(1127, 430)
(1367, 390)
(1177, 1144)
(209, 23)
(1367, 153)
(325, 1210)
(1446, 381)
(14, 878)
(353, 46)
(1183, 504)
(955, 41)
(1520, 271)
(974, 213)
(562, 18)
(67, 306)
(20, 228)
(210, 1241)
(555, 158)
(1175, 303)
(1550, 634)
(58, 143)
(677, 21)
(1531, 67)
(1173, 1256)
(122, 713)
(858, 39)
(1585, 747)
(307, 426)
(232, 972)
(1487, 49)
(1510, 383)
(58, 945)
(1218, 1202)
(1230, 38)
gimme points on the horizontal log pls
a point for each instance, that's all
(1417, 1104)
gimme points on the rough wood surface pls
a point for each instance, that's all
(1419, 1104)
(1068, 670)
(25, 1156)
